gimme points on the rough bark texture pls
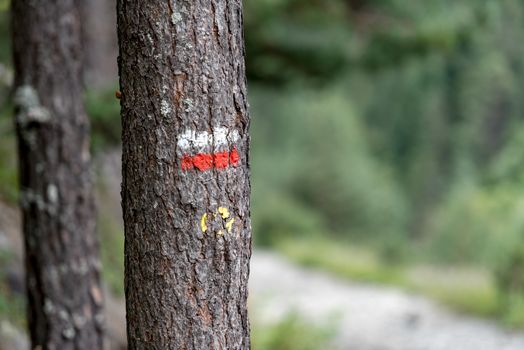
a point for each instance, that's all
(64, 298)
(186, 204)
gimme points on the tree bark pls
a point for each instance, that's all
(186, 189)
(61, 249)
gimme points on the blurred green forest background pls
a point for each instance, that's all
(387, 139)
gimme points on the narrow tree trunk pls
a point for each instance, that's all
(185, 173)
(62, 265)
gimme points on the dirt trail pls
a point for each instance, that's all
(369, 317)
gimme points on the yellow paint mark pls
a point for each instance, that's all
(203, 223)
(224, 212)
(229, 225)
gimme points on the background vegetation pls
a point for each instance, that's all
(395, 129)
(388, 143)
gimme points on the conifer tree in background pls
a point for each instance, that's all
(186, 183)
(61, 249)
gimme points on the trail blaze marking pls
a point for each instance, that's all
(204, 151)
(203, 223)
(219, 219)
(221, 160)
(234, 158)
(187, 163)
(203, 162)
(224, 212)
(229, 225)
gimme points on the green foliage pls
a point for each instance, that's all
(513, 311)
(8, 161)
(404, 136)
(291, 333)
(466, 289)
(342, 259)
(313, 155)
(278, 216)
(12, 305)
(290, 39)
(510, 280)
(477, 225)
(104, 111)
(111, 235)
(5, 39)
(112, 253)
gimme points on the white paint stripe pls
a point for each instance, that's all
(192, 140)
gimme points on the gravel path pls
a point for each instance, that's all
(369, 317)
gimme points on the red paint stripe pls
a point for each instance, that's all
(221, 160)
(187, 163)
(207, 161)
(234, 158)
(203, 161)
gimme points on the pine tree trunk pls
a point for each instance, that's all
(186, 183)
(62, 266)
